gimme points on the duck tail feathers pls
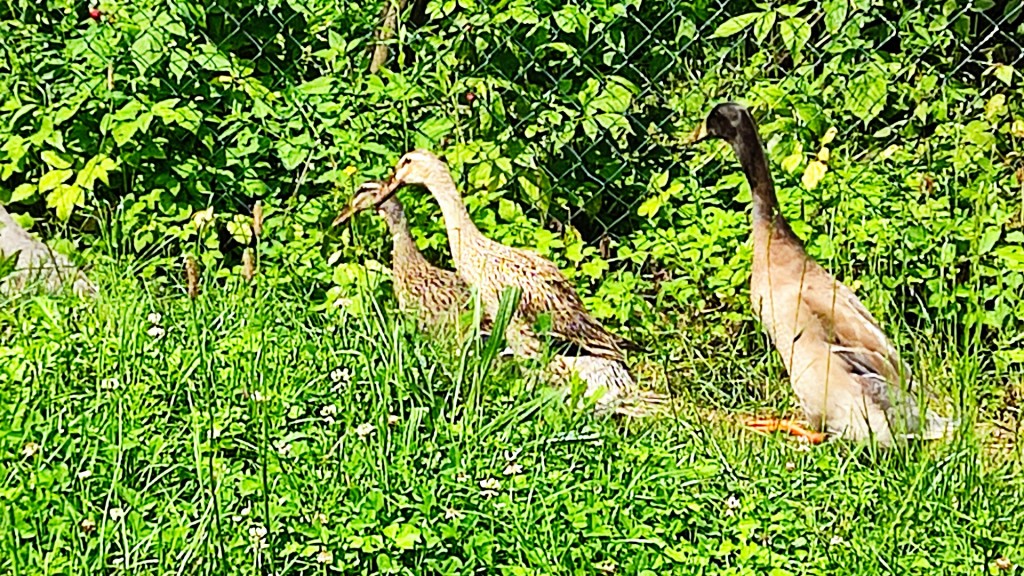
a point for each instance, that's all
(934, 427)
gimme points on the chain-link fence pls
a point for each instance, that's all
(893, 129)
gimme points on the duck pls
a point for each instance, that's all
(585, 347)
(435, 297)
(849, 379)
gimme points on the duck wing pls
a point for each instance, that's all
(545, 290)
(857, 341)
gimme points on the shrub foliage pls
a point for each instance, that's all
(152, 128)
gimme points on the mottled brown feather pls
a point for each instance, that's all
(437, 298)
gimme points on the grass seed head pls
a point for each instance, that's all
(248, 265)
(192, 276)
(257, 219)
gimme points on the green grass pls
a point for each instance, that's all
(230, 444)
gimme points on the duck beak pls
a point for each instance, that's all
(387, 190)
(346, 213)
(698, 135)
(357, 203)
(381, 192)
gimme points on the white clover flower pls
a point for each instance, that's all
(30, 449)
(489, 487)
(512, 469)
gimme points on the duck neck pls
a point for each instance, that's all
(766, 211)
(459, 225)
(404, 252)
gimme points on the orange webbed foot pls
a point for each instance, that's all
(767, 425)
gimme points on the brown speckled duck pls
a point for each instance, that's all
(848, 377)
(437, 298)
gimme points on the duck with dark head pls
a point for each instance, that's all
(848, 377)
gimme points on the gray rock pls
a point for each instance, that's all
(37, 264)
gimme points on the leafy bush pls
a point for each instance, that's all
(894, 136)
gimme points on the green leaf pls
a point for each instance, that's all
(385, 563)
(212, 59)
(1012, 256)
(616, 96)
(866, 94)
(792, 162)
(763, 25)
(570, 19)
(559, 46)
(321, 85)
(735, 25)
(96, 168)
(148, 48)
(650, 207)
(291, 155)
(407, 538)
(23, 192)
(595, 268)
(188, 118)
(507, 209)
(53, 179)
(26, 221)
(617, 127)
(15, 148)
(795, 32)
(687, 30)
(1004, 72)
(336, 41)
(124, 131)
(995, 107)
(178, 63)
(979, 133)
(532, 185)
(989, 239)
(790, 10)
(129, 111)
(835, 15)
(437, 127)
(55, 161)
(164, 109)
(658, 180)
(240, 228)
(64, 198)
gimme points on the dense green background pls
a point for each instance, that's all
(894, 132)
(131, 124)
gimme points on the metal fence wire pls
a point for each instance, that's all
(564, 115)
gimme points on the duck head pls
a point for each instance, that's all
(366, 197)
(727, 121)
(419, 167)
